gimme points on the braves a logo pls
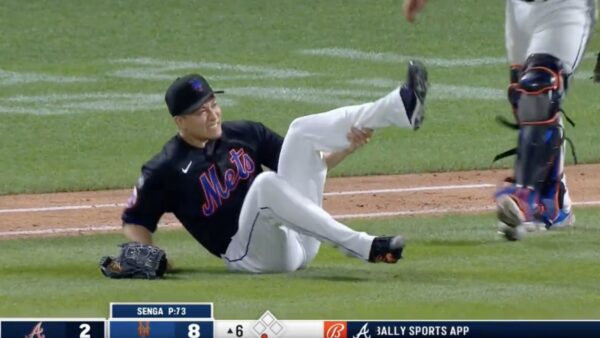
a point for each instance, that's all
(37, 332)
(216, 191)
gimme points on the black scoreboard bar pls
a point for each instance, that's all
(53, 327)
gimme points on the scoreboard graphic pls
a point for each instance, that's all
(196, 320)
(160, 320)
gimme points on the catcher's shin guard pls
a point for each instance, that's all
(541, 86)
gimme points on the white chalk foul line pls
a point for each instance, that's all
(413, 212)
(106, 228)
(333, 193)
(62, 208)
(395, 190)
(436, 211)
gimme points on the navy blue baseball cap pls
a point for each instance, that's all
(188, 93)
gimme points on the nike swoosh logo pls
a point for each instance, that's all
(186, 169)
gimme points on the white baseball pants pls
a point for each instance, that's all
(558, 27)
(282, 223)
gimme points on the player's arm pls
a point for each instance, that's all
(141, 234)
(269, 144)
(357, 138)
(412, 7)
(148, 202)
(137, 233)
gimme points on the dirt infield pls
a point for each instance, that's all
(354, 197)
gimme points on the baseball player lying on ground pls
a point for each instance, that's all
(209, 175)
(545, 42)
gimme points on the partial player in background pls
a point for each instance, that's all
(596, 76)
(210, 176)
(545, 41)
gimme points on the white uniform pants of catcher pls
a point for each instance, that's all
(282, 222)
(561, 28)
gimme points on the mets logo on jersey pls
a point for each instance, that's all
(335, 330)
(215, 190)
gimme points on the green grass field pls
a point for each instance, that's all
(82, 83)
(455, 267)
(81, 108)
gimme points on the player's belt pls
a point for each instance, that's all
(534, 0)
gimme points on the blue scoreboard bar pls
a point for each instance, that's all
(161, 310)
(161, 329)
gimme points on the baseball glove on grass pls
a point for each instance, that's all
(135, 260)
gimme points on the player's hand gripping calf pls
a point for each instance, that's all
(357, 138)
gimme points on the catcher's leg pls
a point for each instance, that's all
(560, 29)
(563, 29)
(565, 36)
(539, 150)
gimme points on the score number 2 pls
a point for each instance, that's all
(85, 330)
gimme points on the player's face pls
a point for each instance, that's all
(204, 123)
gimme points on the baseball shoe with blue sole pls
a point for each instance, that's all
(414, 92)
(517, 216)
(563, 220)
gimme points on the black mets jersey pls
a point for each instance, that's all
(205, 188)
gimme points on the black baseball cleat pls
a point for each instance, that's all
(386, 249)
(414, 91)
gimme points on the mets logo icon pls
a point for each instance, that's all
(335, 330)
(143, 329)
